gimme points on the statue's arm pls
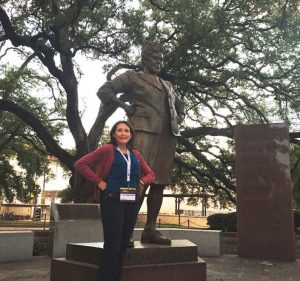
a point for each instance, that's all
(180, 107)
(107, 93)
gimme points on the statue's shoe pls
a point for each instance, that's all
(153, 236)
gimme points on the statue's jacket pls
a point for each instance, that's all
(147, 99)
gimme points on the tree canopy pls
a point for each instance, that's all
(22, 161)
(230, 61)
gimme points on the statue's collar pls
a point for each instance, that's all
(152, 82)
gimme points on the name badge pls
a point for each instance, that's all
(127, 194)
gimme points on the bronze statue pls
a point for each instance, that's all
(154, 112)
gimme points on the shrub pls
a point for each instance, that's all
(231, 222)
(224, 222)
(228, 222)
(216, 221)
(40, 248)
(297, 219)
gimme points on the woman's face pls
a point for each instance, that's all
(122, 134)
(154, 63)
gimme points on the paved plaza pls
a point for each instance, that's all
(223, 268)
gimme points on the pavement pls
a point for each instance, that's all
(223, 268)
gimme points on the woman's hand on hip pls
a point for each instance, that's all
(102, 185)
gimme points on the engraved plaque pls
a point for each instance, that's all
(66, 211)
(78, 211)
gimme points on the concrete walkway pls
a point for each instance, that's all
(35, 269)
(224, 268)
(233, 268)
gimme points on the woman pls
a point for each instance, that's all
(120, 174)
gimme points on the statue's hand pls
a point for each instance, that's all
(130, 110)
(181, 117)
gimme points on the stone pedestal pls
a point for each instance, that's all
(264, 205)
(145, 262)
(73, 223)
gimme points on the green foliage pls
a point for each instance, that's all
(20, 167)
(40, 248)
(228, 222)
(224, 222)
(295, 172)
(209, 178)
(66, 195)
(23, 158)
(297, 219)
(10, 181)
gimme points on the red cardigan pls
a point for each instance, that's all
(103, 157)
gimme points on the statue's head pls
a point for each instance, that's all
(149, 49)
(152, 57)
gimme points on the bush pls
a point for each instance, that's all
(216, 221)
(231, 222)
(296, 219)
(228, 222)
(224, 222)
(40, 248)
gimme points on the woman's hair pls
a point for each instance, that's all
(113, 131)
(148, 50)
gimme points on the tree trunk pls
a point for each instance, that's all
(82, 189)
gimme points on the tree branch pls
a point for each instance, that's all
(72, 113)
(198, 155)
(118, 67)
(94, 48)
(51, 145)
(105, 111)
(211, 179)
(45, 53)
(34, 145)
(203, 131)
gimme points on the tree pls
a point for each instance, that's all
(231, 61)
(22, 161)
(51, 34)
(23, 158)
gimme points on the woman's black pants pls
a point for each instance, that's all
(118, 219)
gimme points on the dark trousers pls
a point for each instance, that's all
(118, 219)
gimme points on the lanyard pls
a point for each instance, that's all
(128, 161)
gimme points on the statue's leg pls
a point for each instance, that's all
(154, 202)
(142, 196)
(141, 200)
